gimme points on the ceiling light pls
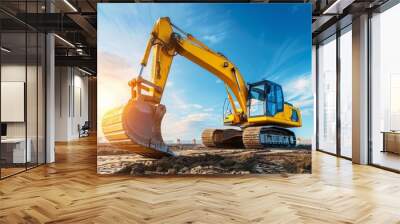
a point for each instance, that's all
(64, 40)
(79, 51)
(5, 50)
(337, 7)
(84, 71)
(70, 5)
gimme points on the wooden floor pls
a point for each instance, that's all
(70, 191)
(386, 159)
(5, 172)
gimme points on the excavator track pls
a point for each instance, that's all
(222, 138)
(251, 138)
(262, 137)
(135, 127)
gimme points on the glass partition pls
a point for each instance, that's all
(14, 153)
(22, 78)
(31, 99)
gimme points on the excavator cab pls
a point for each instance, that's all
(266, 106)
(265, 99)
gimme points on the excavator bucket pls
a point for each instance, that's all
(136, 127)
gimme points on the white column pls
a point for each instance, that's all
(50, 92)
(63, 101)
(50, 100)
(314, 89)
(360, 90)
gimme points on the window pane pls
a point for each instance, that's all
(327, 95)
(346, 93)
(385, 86)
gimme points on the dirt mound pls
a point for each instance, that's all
(224, 161)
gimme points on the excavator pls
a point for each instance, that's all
(258, 109)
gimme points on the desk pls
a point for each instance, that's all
(13, 150)
(391, 141)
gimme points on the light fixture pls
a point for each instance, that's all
(70, 5)
(80, 51)
(5, 50)
(64, 40)
(84, 71)
(337, 7)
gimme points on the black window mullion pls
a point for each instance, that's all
(1, 164)
(316, 97)
(26, 87)
(369, 95)
(338, 78)
(37, 90)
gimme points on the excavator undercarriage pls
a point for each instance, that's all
(250, 137)
(222, 138)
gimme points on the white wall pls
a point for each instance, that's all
(71, 102)
(62, 82)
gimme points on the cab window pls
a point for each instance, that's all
(279, 98)
(271, 104)
(257, 100)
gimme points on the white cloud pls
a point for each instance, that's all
(196, 117)
(186, 126)
(214, 38)
(298, 91)
(218, 81)
(112, 83)
(177, 101)
(185, 119)
(197, 106)
(282, 59)
(169, 83)
(212, 32)
(301, 84)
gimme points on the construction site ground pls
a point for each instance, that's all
(197, 159)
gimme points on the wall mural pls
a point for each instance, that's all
(204, 89)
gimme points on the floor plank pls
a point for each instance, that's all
(70, 191)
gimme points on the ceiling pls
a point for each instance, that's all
(75, 22)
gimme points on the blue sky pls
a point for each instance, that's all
(265, 41)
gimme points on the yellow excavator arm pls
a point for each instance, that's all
(166, 43)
